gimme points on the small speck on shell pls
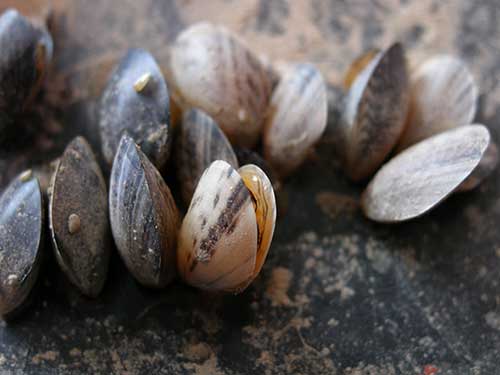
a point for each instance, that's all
(73, 223)
(26, 175)
(142, 82)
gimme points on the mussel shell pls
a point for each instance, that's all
(218, 237)
(296, 118)
(21, 240)
(199, 143)
(26, 51)
(136, 101)
(443, 96)
(375, 112)
(265, 211)
(486, 166)
(214, 71)
(422, 176)
(144, 218)
(358, 65)
(78, 218)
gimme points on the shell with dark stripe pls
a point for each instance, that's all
(443, 96)
(199, 143)
(218, 237)
(375, 112)
(296, 117)
(215, 71)
(143, 215)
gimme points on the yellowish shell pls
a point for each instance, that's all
(265, 210)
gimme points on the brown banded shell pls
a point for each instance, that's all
(228, 228)
(296, 118)
(357, 66)
(375, 112)
(214, 70)
(136, 101)
(199, 143)
(26, 53)
(443, 96)
(486, 166)
(21, 240)
(422, 176)
(144, 217)
(78, 218)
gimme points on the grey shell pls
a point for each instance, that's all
(144, 218)
(21, 238)
(78, 218)
(144, 114)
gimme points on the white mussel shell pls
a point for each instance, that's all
(422, 176)
(213, 70)
(296, 118)
(443, 96)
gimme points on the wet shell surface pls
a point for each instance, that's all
(199, 143)
(21, 240)
(486, 166)
(143, 215)
(222, 243)
(422, 176)
(78, 218)
(136, 100)
(375, 112)
(296, 118)
(443, 96)
(213, 70)
(26, 53)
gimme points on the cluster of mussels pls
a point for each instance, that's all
(221, 95)
(422, 116)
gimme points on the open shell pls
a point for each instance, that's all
(422, 176)
(199, 143)
(143, 215)
(214, 70)
(21, 240)
(375, 112)
(136, 101)
(222, 244)
(296, 118)
(26, 53)
(78, 218)
(443, 96)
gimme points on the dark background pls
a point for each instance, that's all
(339, 294)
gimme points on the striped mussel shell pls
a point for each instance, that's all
(215, 71)
(136, 101)
(199, 143)
(227, 231)
(26, 54)
(21, 241)
(375, 110)
(78, 218)
(296, 118)
(443, 96)
(486, 166)
(143, 215)
(422, 176)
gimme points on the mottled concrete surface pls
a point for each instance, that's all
(339, 295)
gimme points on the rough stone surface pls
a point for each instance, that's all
(338, 295)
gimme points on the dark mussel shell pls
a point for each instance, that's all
(136, 100)
(199, 143)
(26, 51)
(21, 240)
(78, 218)
(144, 217)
